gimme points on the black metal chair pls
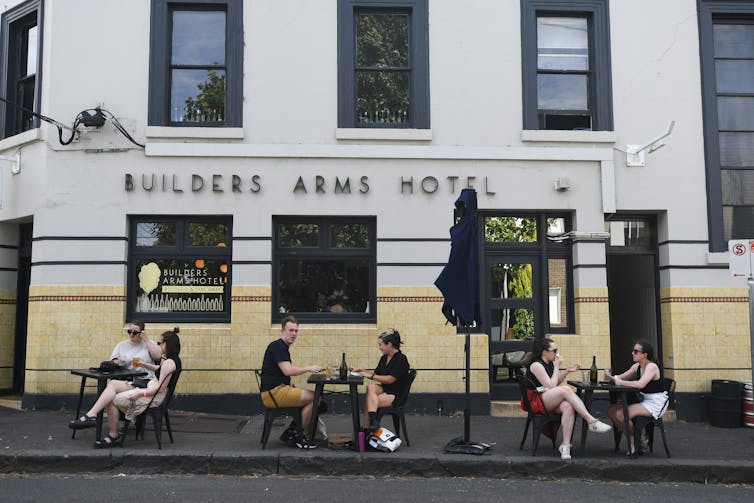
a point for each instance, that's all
(647, 424)
(537, 420)
(157, 413)
(396, 410)
(271, 413)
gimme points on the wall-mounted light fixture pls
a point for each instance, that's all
(635, 153)
(562, 184)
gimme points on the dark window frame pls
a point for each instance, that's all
(709, 12)
(543, 249)
(418, 59)
(600, 94)
(159, 61)
(180, 251)
(13, 22)
(324, 252)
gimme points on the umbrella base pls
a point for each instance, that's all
(458, 446)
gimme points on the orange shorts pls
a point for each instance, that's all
(284, 396)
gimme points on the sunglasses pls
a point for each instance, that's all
(134, 332)
(634, 351)
(162, 342)
(554, 350)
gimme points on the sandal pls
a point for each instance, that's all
(83, 422)
(113, 442)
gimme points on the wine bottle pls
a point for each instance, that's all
(593, 370)
(344, 368)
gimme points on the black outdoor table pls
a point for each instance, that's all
(585, 392)
(353, 382)
(102, 378)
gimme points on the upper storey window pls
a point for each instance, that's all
(196, 63)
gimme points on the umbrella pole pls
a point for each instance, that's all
(467, 405)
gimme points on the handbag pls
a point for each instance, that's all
(140, 382)
(106, 366)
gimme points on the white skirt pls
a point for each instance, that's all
(655, 403)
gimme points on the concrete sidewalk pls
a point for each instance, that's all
(40, 442)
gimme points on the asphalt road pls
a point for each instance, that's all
(167, 488)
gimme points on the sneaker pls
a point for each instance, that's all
(287, 435)
(303, 443)
(598, 426)
(565, 451)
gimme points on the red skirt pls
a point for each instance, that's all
(550, 430)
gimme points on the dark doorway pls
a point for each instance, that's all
(22, 308)
(632, 280)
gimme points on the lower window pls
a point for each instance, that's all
(179, 269)
(324, 268)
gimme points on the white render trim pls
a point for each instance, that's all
(383, 134)
(569, 136)
(717, 257)
(20, 139)
(231, 133)
(607, 177)
(314, 151)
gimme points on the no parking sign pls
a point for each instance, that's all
(740, 257)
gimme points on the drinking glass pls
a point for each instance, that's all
(585, 376)
(136, 362)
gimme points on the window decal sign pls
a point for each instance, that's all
(180, 285)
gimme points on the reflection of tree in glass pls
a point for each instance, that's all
(298, 235)
(514, 280)
(207, 234)
(510, 230)
(521, 287)
(209, 104)
(350, 235)
(164, 232)
(382, 68)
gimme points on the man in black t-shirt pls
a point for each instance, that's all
(276, 387)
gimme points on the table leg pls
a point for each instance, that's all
(101, 384)
(78, 408)
(587, 399)
(318, 389)
(354, 392)
(626, 420)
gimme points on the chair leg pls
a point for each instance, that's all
(266, 429)
(617, 434)
(157, 422)
(397, 424)
(526, 430)
(662, 432)
(405, 430)
(536, 431)
(167, 425)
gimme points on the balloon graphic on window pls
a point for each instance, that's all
(149, 277)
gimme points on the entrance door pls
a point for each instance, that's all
(512, 319)
(632, 279)
(22, 308)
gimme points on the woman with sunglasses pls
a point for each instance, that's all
(645, 376)
(390, 377)
(546, 395)
(124, 397)
(138, 346)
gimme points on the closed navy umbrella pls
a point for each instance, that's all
(459, 284)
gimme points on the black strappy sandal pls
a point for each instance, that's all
(104, 444)
(83, 422)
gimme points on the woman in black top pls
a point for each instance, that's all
(645, 376)
(545, 382)
(390, 377)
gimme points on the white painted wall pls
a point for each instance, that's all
(96, 52)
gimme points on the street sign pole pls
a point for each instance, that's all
(751, 323)
(741, 265)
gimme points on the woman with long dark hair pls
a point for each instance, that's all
(546, 395)
(645, 376)
(390, 377)
(123, 396)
